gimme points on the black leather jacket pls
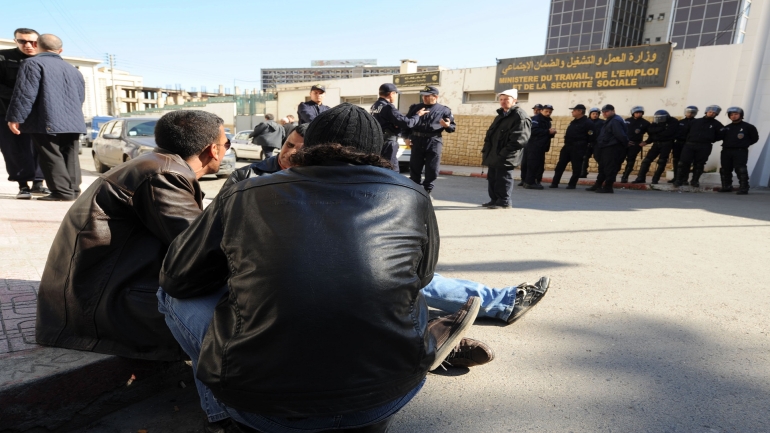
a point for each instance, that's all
(322, 262)
(506, 138)
(98, 290)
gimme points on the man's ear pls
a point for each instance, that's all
(213, 151)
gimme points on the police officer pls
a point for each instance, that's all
(307, 111)
(593, 115)
(700, 136)
(392, 121)
(610, 149)
(737, 136)
(661, 133)
(581, 132)
(689, 115)
(523, 164)
(425, 137)
(505, 139)
(637, 127)
(539, 144)
(19, 153)
(536, 109)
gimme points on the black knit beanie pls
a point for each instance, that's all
(348, 125)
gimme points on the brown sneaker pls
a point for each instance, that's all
(470, 353)
(449, 330)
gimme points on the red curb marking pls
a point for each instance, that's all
(482, 175)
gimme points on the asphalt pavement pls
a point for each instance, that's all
(656, 319)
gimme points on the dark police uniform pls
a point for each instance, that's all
(580, 133)
(598, 123)
(307, 111)
(426, 141)
(701, 133)
(393, 122)
(21, 161)
(533, 165)
(636, 130)
(736, 139)
(505, 140)
(662, 136)
(681, 139)
(611, 148)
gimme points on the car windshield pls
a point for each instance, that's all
(141, 128)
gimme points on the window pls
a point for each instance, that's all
(117, 128)
(477, 97)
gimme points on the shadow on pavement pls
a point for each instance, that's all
(501, 266)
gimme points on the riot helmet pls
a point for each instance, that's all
(637, 109)
(738, 110)
(660, 116)
(715, 108)
(594, 110)
(691, 110)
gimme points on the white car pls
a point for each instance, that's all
(404, 154)
(243, 148)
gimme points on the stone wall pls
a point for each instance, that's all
(464, 146)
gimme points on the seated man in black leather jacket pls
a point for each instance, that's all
(326, 258)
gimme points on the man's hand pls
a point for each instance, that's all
(552, 131)
(422, 112)
(408, 142)
(14, 127)
(642, 143)
(445, 123)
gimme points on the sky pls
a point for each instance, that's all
(196, 43)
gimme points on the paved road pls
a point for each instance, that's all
(656, 319)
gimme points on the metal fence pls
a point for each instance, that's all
(250, 105)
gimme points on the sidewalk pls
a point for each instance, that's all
(44, 386)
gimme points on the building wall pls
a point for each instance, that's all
(658, 28)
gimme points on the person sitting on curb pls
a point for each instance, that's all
(329, 260)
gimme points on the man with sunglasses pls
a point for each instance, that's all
(18, 150)
(97, 292)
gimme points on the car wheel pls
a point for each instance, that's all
(101, 168)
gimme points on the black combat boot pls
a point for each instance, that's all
(642, 176)
(743, 180)
(676, 168)
(695, 181)
(659, 172)
(594, 187)
(727, 180)
(680, 175)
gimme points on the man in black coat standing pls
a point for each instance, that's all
(392, 121)
(307, 111)
(637, 127)
(610, 149)
(47, 103)
(701, 134)
(503, 144)
(18, 150)
(661, 133)
(539, 144)
(269, 135)
(580, 134)
(737, 136)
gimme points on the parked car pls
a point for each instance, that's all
(244, 148)
(404, 154)
(92, 127)
(126, 138)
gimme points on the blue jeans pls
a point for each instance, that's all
(449, 294)
(189, 320)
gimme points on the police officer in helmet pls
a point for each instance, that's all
(661, 134)
(425, 137)
(594, 116)
(700, 136)
(637, 127)
(392, 121)
(689, 115)
(737, 136)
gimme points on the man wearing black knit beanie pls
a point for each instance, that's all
(325, 258)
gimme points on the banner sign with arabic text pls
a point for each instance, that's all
(613, 68)
(420, 79)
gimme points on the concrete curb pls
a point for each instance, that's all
(52, 388)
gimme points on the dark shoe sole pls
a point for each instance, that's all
(23, 196)
(455, 338)
(54, 198)
(538, 292)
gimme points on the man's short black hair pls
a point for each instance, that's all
(24, 31)
(301, 129)
(269, 117)
(187, 132)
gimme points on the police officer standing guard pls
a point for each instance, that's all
(737, 136)
(610, 148)
(593, 115)
(581, 132)
(539, 144)
(637, 127)
(307, 111)
(701, 135)
(425, 137)
(505, 140)
(662, 132)
(689, 115)
(392, 121)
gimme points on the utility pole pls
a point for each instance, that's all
(115, 108)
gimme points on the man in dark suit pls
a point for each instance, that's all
(47, 103)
